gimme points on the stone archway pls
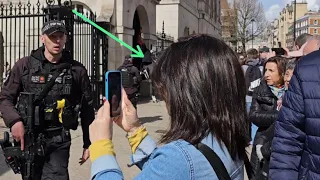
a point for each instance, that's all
(141, 30)
(144, 20)
(140, 26)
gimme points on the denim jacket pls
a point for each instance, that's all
(176, 160)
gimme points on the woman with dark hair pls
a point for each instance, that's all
(264, 150)
(266, 103)
(202, 84)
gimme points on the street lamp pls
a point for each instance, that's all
(163, 36)
(252, 20)
(294, 20)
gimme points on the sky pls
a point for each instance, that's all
(273, 7)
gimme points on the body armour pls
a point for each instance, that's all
(54, 109)
(127, 77)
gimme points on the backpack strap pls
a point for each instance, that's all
(215, 161)
(248, 166)
(218, 165)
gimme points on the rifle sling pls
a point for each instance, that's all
(50, 84)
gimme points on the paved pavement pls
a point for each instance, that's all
(152, 115)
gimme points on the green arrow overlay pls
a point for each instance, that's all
(137, 54)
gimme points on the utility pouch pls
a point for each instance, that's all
(50, 113)
(70, 118)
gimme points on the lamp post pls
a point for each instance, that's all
(163, 36)
(252, 20)
(294, 20)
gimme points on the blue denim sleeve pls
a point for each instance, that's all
(106, 167)
(145, 148)
(167, 162)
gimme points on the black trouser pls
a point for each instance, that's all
(254, 160)
(54, 165)
(134, 99)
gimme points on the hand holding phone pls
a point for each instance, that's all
(113, 87)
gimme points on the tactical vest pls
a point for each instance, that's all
(55, 109)
(127, 78)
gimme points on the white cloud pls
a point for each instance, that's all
(273, 12)
(285, 2)
(312, 4)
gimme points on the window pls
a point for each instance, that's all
(315, 31)
(315, 22)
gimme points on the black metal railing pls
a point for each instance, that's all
(21, 23)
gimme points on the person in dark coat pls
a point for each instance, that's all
(296, 147)
(252, 72)
(265, 104)
(131, 79)
(264, 149)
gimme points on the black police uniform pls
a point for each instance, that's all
(131, 79)
(72, 87)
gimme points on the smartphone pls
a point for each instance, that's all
(279, 51)
(113, 86)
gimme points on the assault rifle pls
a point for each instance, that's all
(23, 162)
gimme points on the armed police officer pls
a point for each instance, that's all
(62, 92)
(131, 79)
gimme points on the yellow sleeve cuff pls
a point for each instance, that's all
(136, 138)
(101, 148)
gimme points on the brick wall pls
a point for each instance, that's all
(314, 30)
(314, 21)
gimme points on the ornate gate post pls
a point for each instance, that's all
(2, 63)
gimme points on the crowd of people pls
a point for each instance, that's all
(226, 97)
(219, 103)
(265, 101)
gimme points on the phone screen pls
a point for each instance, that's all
(114, 92)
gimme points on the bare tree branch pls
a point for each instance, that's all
(248, 10)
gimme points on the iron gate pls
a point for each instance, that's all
(21, 23)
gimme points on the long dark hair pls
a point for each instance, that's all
(203, 85)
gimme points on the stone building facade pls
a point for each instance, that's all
(128, 19)
(125, 19)
(185, 17)
(287, 18)
(228, 27)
